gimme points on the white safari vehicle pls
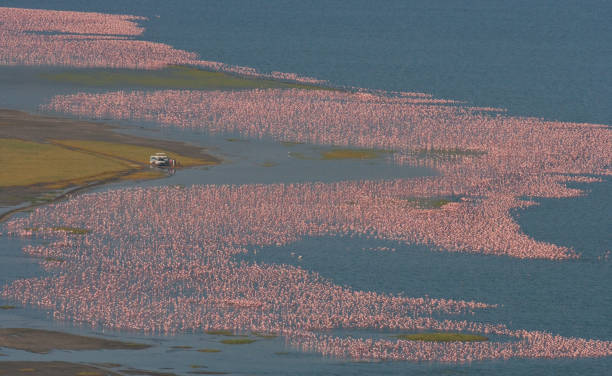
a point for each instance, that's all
(159, 160)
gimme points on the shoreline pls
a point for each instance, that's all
(122, 157)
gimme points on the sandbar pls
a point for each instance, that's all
(42, 341)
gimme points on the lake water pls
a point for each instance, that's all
(535, 58)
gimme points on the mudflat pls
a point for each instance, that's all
(42, 155)
(52, 369)
(42, 341)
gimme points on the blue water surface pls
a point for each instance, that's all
(539, 58)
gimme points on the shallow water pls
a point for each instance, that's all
(568, 298)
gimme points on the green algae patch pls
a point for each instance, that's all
(135, 346)
(430, 202)
(335, 154)
(70, 230)
(171, 77)
(448, 153)
(209, 350)
(291, 143)
(181, 347)
(442, 337)
(237, 341)
(340, 154)
(7, 307)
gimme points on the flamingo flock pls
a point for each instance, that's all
(488, 158)
(163, 260)
(88, 39)
(404, 124)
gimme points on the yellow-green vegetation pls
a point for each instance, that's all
(132, 153)
(220, 332)
(341, 153)
(65, 163)
(209, 350)
(172, 77)
(430, 202)
(134, 345)
(269, 164)
(44, 198)
(197, 366)
(7, 307)
(449, 153)
(90, 373)
(291, 143)
(352, 154)
(265, 335)
(70, 230)
(442, 337)
(181, 347)
(237, 341)
(282, 353)
(31, 163)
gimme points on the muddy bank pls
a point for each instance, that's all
(52, 369)
(87, 154)
(43, 341)
(24, 126)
